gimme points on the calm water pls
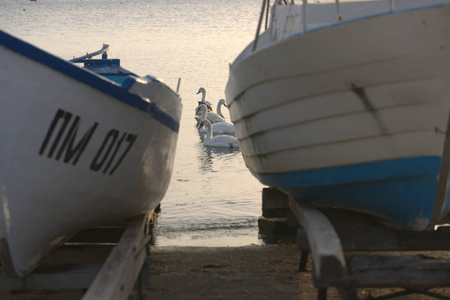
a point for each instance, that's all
(212, 200)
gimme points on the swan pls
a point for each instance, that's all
(219, 105)
(219, 141)
(203, 101)
(211, 116)
(203, 91)
(217, 128)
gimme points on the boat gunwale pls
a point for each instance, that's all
(241, 57)
(89, 78)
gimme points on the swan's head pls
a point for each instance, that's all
(201, 90)
(222, 102)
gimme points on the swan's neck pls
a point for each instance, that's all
(219, 109)
(209, 134)
(203, 112)
(203, 95)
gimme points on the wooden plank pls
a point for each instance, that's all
(120, 271)
(442, 187)
(399, 271)
(385, 239)
(275, 225)
(329, 266)
(74, 277)
(273, 198)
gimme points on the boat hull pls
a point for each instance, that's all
(350, 115)
(76, 151)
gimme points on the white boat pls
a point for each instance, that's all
(77, 149)
(346, 104)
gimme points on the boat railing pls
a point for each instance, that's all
(304, 14)
(338, 9)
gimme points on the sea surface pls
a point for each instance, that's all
(212, 200)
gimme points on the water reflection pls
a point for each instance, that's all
(207, 155)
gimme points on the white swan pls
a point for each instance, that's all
(203, 91)
(211, 116)
(219, 105)
(203, 101)
(219, 141)
(217, 128)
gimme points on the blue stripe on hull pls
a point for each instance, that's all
(400, 192)
(88, 78)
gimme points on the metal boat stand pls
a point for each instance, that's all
(108, 262)
(344, 248)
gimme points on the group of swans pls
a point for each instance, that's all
(216, 129)
(210, 115)
(219, 141)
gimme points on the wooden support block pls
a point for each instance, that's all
(415, 272)
(274, 203)
(275, 225)
(120, 271)
(329, 266)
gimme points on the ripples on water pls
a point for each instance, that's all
(212, 199)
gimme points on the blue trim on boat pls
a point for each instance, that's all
(128, 82)
(96, 81)
(385, 170)
(400, 192)
(109, 68)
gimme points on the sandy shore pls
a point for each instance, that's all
(203, 273)
(255, 272)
